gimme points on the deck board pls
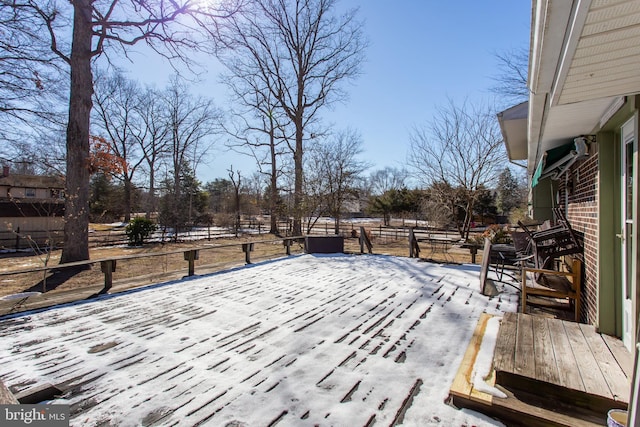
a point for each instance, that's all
(568, 376)
(545, 361)
(592, 369)
(621, 354)
(613, 375)
(505, 342)
(594, 381)
(524, 362)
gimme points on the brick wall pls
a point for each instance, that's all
(580, 190)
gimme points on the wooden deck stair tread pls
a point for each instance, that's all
(575, 373)
(578, 359)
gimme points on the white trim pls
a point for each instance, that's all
(613, 108)
(574, 30)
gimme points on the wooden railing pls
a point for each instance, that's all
(108, 266)
(116, 236)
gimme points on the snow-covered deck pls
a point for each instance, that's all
(307, 340)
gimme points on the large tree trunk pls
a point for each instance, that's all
(127, 199)
(297, 188)
(76, 228)
(274, 183)
(151, 203)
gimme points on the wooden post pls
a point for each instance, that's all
(414, 249)
(192, 256)
(473, 249)
(107, 267)
(364, 240)
(247, 248)
(287, 245)
(18, 238)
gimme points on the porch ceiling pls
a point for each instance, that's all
(582, 60)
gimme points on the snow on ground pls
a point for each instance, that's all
(303, 341)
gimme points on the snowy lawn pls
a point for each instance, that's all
(302, 341)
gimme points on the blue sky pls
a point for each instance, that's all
(421, 53)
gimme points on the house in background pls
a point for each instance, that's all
(30, 205)
(579, 136)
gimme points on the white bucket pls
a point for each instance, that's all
(617, 418)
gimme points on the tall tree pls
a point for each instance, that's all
(116, 104)
(260, 126)
(188, 206)
(340, 171)
(220, 195)
(388, 178)
(32, 77)
(510, 194)
(461, 149)
(152, 137)
(304, 53)
(236, 180)
(96, 28)
(395, 201)
(191, 122)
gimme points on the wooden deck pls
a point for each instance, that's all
(309, 340)
(554, 372)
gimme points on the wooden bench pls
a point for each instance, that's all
(549, 285)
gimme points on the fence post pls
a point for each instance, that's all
(107, 267)
(18, 238)
(287, 245)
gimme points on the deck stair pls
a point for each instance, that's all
(554, 372)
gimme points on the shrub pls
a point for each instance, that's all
(139, 229)
(497, 234)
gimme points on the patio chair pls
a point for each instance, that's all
(549, 243)
(552, 288)
(496, 257)
(524, 249)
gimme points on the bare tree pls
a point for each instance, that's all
(340, 171)
(32, 77)
(191, 122)
(511, 80)
(236, 180)
(115, 107)
(97, 28)
(304, 53)
(388, 178)
(461, 149)
(260, 127)
(151, 135)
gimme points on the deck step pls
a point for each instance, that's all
(564, 361)
(550, 388)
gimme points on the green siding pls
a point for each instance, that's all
(609, 286)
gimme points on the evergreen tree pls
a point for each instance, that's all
(509, 192)
(187, 207)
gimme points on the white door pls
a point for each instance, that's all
(628, 150)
